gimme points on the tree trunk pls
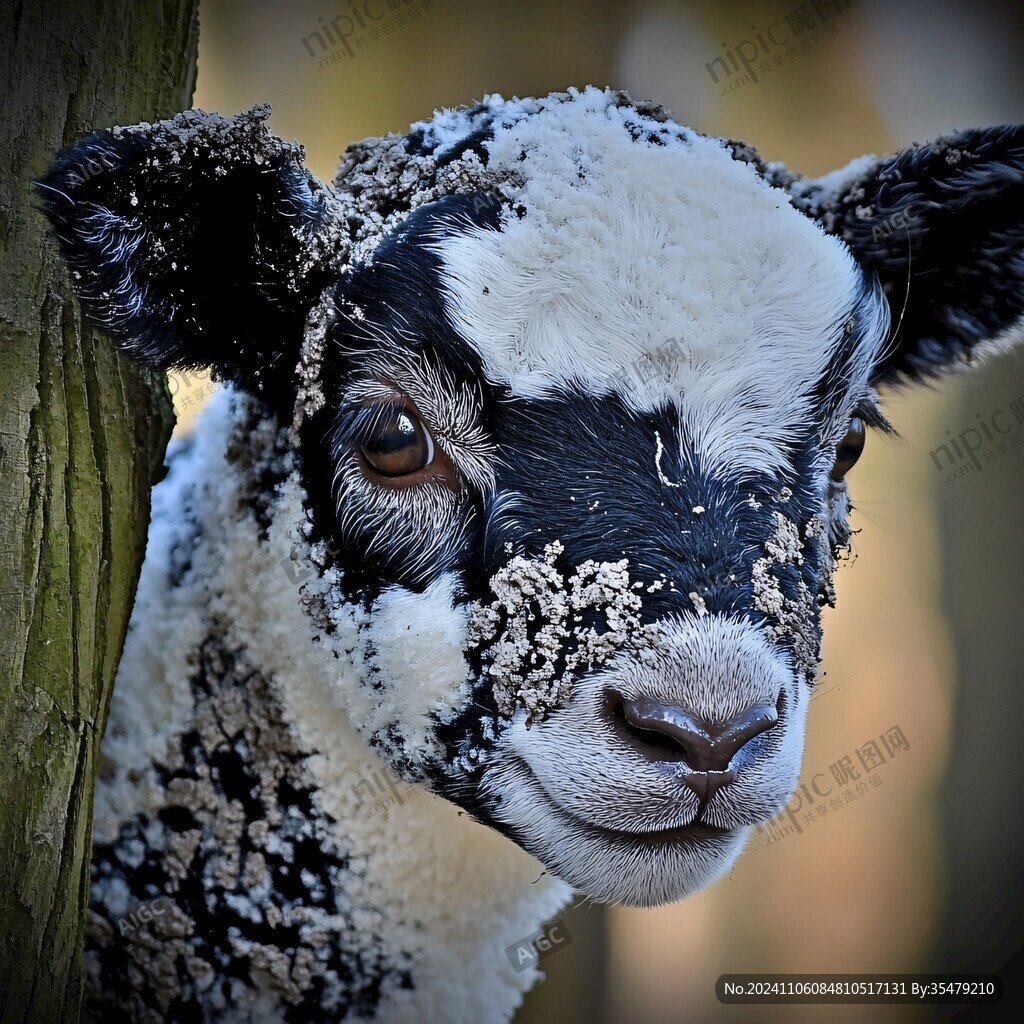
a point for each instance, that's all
(82, 436)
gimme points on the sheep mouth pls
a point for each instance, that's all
(693, 833)
(609, 864)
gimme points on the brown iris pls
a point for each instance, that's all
(398, 444)
(849, 449)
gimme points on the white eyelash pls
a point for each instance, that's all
(422, 528)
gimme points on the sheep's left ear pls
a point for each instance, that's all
(942, 227)
(196, 242)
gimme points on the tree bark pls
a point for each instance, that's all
(82, 436)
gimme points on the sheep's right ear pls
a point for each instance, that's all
(195, 242)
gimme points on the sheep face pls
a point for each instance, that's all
(576, 394)
(627, 537)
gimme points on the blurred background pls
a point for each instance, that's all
(913, 864)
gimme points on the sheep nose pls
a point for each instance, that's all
(664, 733)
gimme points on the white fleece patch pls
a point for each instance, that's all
(417, 642)
(667, 273)
(455, 894)
(152, 703)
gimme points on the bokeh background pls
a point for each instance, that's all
(920, 871)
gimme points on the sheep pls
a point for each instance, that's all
(495, 574)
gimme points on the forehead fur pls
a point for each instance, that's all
(636, 256)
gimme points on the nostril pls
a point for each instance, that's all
(751, 722)
(665, 733)
(659, 743)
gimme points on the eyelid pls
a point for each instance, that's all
(367, 416)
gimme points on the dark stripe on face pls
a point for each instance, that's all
(584, 471)
(602, 454)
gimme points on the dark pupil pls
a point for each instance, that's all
(398, 445)
(400, 435)
(849, 450)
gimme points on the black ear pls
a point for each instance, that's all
(942, 226)
(199, 241)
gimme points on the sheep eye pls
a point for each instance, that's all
(849, 449)
(398, 444)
